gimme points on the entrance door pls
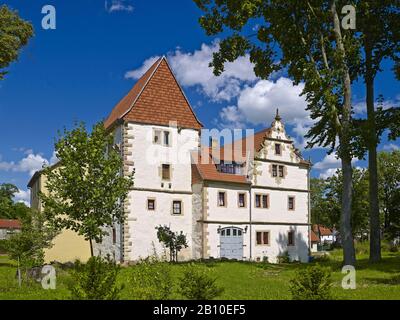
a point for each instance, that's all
(231, 243)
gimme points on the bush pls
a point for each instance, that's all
(151, 280)
(284, 257)
(312, 283)
(95, 280)
(197, 284)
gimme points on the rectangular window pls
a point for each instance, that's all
(265, 201)
(291, 238)
(166, 138)
(278, 149)
(166, 174)
(151, 204)
(157, 137)
(242, 200)
(281, 171)
(221, 199)
(291, 203)
(274, 170)
(177, 207)
(262, 237)
(258, 201)
(114, 236)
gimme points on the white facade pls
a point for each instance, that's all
(204, 221)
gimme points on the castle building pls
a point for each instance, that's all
(246, 200)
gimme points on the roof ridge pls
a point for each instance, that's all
(158, 62)
(180, 88)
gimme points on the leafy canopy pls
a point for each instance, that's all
(86, 189)
(14, 34)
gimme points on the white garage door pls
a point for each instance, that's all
(231, 243)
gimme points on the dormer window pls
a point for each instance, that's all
(229, 167)
(278, 150)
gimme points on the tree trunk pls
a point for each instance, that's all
(374, 224)
(345, 151)
(345, 221)
(91, 247)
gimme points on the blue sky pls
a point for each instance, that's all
(80, 71)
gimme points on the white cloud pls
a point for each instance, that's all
(118, 5)
(137, 73)
(23, 196)
(53, 158)
(259, 102)
(327, 173)
(231, 118)
(391, 147)
(192, 70)
(254, 101)
(330, 161)
(361, 108)
(31, 163)
(329, 164)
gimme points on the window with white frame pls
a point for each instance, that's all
(177, 207)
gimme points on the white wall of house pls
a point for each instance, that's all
(147, 157)
(278, 243)
(327, 238)
(202, 217)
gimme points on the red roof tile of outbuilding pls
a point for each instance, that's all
(10, 224)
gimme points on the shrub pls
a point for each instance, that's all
(284, 257)
(151, 280)
(322, 258)
(95, 280)
(312, 283)
(197, 284)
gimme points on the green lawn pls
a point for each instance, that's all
(243, 280)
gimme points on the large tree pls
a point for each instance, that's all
(378, 31)
(304, 38)
(326, 198)
(14, 34)
(389, 191)
(8, 208)
(86, 191)
(27, 247)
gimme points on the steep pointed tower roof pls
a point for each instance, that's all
(156, 98)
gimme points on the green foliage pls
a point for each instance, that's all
(174, 241)
(284, 257)
(9, 209)
(196, 283)
(95, 280)
(14, 34)
(27, 246)
(311, 283)
(86, 190)
(305, 39)
(151, 280)
(389, 185)
(326, 201)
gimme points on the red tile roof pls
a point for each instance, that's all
(156, 98)
(322, 230)
(314, 237)
(206, 170)
(10, 224)
(232, 151)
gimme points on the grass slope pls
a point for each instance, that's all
(243, 280)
